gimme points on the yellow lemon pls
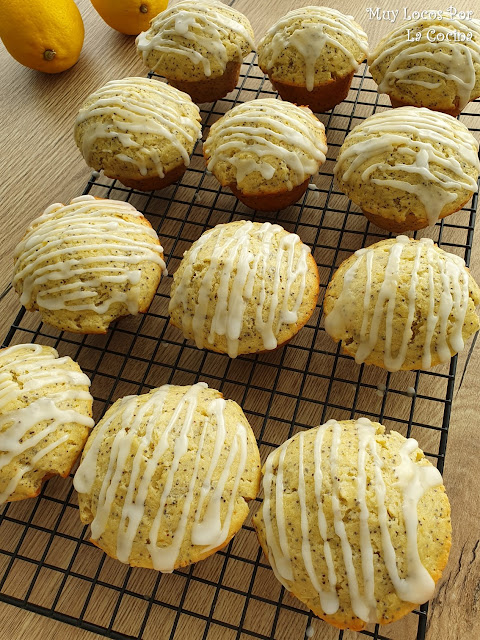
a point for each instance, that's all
(41, 34)
(129, 16)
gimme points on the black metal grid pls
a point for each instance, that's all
(233, 594)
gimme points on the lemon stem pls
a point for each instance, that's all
(143, 8)
(49, 54)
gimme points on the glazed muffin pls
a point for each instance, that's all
(355, 522)
(45, 418)
(166, 477)
(244, 287)
(198, 46)
(402, 304)
(440, 71)
(138, 131)
(266, 151)
(407, 168)
(311, 55)
(85, 264)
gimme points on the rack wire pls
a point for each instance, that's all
(233, 594)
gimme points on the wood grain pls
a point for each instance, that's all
(39, 165)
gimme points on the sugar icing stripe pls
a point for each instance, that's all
(328, 600)
(278, 552)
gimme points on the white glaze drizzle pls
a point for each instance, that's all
(132, 108)
(191, 28)
(30, 372)
(413, 481)
(278, 552)
(309, 30)
(394, 132)
(236, 267)
(51, 254)
(359, 605)
(459, 58)
(255, 135)
(208, 530)
(449, 316)
(329, 599)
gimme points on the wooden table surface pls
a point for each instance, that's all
(40, 165)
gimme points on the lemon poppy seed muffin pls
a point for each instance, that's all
(85, 264)
(166, 477)
(408, 167)
(266, 151)
(355, 522)
(311, 55)
(244, 287)
(198, 46)
(45, 418)
(139, 131)
(440, 70)
(402, 304)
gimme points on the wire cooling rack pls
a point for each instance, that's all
(47, 564)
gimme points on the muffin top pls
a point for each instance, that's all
(85, 264)
(438, 70)
(311, 46)
(355, 522)
(165, 477)
(402, 304)
(265, 146)
(45, 417)
(409, 159)
(194, 39)
(137, 127)
(244, 287)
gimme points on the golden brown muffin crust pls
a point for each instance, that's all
(138, 129)
(165, 477)
(244, 287)
(328, 477)
(440, 71)
(408, 167)
(85, 264)
(402, 304)
(45, 418)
